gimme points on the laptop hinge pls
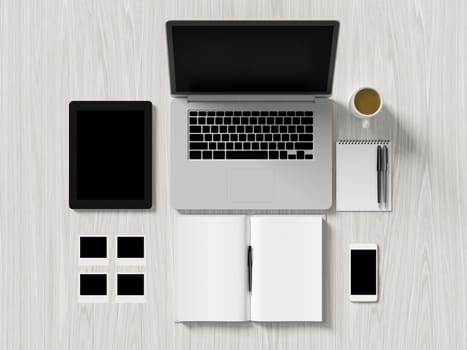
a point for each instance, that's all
(241, 98)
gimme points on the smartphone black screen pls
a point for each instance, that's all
(363, 272)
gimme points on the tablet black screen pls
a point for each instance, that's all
(110, 155)
(110, 158)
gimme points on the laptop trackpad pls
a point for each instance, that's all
(250, 185)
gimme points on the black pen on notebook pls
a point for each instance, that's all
(378, 171)
(250, 268)
(385, 173)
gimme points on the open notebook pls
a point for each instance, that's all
(212, 273)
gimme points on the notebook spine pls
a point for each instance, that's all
(363, 142)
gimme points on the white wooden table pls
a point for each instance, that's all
(54, 51)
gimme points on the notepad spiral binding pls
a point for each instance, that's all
(363, 142)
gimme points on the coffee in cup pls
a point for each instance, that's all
(365, 103)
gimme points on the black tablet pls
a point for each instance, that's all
(110, 154)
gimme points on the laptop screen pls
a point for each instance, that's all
(252, 57)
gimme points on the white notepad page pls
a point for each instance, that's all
(287, 268)
(356, 176)
(210, 255)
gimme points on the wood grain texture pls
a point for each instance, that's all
(54, 51)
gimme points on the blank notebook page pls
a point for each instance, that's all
(356, 176)
(287, 268)
(210, 268)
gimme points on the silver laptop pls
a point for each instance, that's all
(251, 121)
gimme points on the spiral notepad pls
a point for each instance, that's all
(356, 176)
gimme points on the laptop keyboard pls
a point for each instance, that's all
(245, 135)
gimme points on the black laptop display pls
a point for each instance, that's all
(110, 155)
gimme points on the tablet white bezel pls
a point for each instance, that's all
(362, 297)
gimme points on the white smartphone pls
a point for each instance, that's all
(363, 272)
